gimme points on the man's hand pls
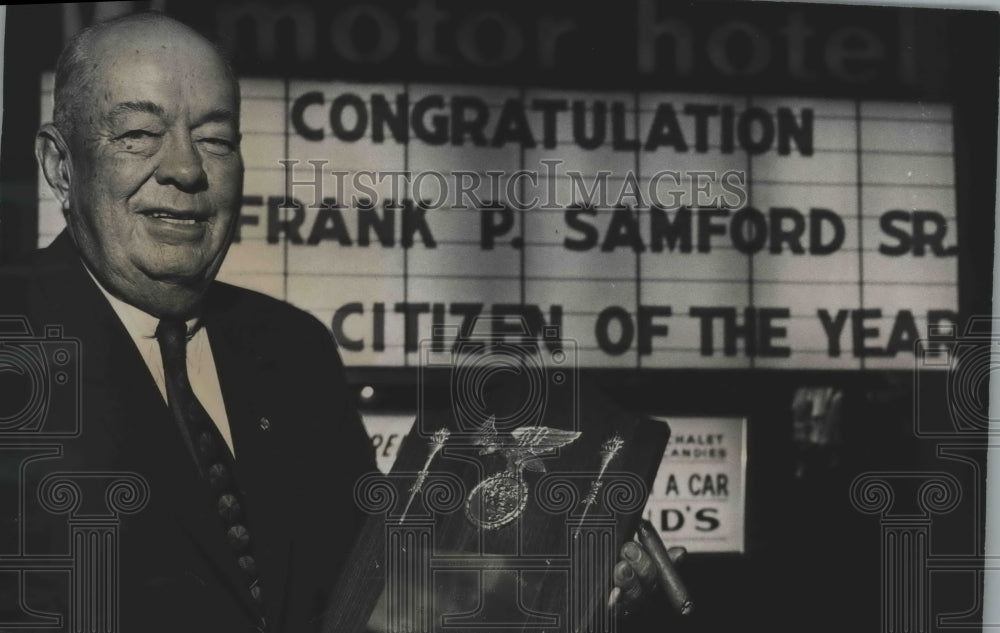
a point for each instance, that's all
(646, 567)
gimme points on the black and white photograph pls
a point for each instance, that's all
(480, 316)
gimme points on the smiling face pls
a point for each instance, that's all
(154, 167)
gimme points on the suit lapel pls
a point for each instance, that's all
(122, 402)
(248, 384)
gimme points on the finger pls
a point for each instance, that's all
(641, 562)
(627, 580)
(677, 554)
(613, 598)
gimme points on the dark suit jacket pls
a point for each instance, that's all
(298, 468)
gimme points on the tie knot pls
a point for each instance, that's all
(172, 335)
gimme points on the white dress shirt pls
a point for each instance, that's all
(202, 374)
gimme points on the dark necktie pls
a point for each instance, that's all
(211, 455)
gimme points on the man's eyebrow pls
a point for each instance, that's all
(147, 107)
(219, 115)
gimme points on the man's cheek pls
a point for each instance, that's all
(122, 176)
(228, 171)
(227, 191)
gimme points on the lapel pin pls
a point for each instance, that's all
(265, 424)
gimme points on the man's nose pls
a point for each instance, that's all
(181, 165)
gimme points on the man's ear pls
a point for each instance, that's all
(52, 153)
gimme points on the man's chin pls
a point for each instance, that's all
(186, 267)
(172, 301)
(182, 277)
(173, 291)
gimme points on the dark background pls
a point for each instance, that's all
(813, 561)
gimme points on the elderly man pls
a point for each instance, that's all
(231, 405)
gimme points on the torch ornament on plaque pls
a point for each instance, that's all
(609, 450)
(436, 444)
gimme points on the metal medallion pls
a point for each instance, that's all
(496, 501)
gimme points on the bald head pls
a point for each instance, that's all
(99, 47)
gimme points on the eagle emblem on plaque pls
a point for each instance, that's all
(500, 498)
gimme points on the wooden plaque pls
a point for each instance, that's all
(503, 521)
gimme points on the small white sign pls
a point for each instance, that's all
(387, 431)
(698, 497)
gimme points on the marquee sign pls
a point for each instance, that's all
(652, 229)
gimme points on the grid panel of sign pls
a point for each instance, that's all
(656, 230)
